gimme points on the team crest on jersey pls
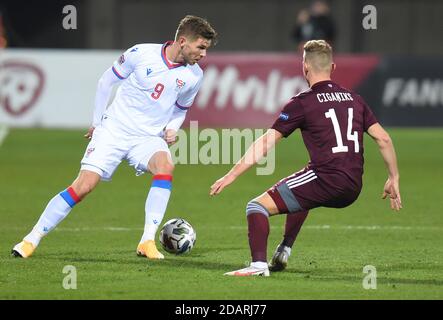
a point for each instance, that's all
(121, 60)
(180, 84)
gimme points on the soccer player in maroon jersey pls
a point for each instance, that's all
(332, 121)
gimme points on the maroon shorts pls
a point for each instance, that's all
(308, 189)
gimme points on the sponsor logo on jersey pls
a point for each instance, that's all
(283, 116)
(121, 60)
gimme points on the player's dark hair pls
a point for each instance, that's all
(194, 27)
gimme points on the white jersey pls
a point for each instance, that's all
(153, 88)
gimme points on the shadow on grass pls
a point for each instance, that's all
(339, 274)
(128, 258)
(381, 280)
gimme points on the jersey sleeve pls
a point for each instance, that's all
(291, 118)
(368, 116)
(186, 99)
(125, 64)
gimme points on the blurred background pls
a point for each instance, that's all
(404, 27)
(390, 51)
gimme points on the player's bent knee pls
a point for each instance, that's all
(161, 163)
(84, 184)
(254, 206)
(166, 168)
(268, 203)
(82, 189)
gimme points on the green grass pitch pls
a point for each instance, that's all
(100, 236)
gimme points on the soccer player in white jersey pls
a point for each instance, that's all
(158, 85)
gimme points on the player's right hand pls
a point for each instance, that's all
(393, 190)
(221, 183)
(170, 136)
(88, 134)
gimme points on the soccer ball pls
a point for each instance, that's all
(177, 236)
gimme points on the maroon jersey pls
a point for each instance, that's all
(332, 121)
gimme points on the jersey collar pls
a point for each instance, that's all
(322, 83)
(165, 59)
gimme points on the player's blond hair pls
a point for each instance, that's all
(194, 27)
(318, 54)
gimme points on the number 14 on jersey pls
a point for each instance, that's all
(351, 136)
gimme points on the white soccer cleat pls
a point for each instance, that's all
(249, 271)
(280, 258)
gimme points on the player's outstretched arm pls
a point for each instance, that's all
(392, 185)
(255, 152)
(104, 90)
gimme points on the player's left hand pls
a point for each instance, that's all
(170, 136)
(221, 183)
(392, 190)
(88, 134)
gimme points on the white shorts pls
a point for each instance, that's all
(108, 147)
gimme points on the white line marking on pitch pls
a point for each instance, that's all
(312, 227)
(352, 227)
